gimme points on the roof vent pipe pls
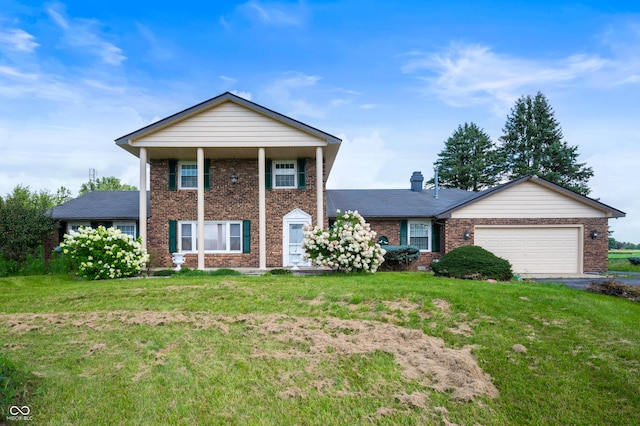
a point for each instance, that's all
(435, 183)
(416, 181)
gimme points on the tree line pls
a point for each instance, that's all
(25, 216)
(531, 144)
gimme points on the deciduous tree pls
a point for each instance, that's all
(107, 183)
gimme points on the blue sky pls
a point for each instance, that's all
(392, 79)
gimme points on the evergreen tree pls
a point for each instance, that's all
(532, 144)
(469, 160)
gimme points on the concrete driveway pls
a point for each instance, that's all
(582, 282)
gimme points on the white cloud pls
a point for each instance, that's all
(275, 13)
(18, 40)
(474, 74)
(362, 162)
(245, 95)
(85, 35)
(288, 94)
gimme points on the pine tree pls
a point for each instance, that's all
(469, 160)
(532, 144)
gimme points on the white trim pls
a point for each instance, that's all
(262, 210)
(294, 169)
(121, 223)
(319, 187)
(429, 225)
(201, 224)
(195, 234)
(294, 217)
(142, 215)
(179, 174)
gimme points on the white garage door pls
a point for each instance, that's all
(534, 250)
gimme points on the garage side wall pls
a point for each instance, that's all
(594, 250)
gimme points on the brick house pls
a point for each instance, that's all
(540, 227)
(232, 183)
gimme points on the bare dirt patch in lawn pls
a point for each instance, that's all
(422, 358)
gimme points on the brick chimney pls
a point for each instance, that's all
(417, 182)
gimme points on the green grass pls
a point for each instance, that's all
(618, 260)
(281, 350)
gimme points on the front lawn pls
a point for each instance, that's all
(619, 260)
(389, 348)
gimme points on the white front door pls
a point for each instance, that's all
(292, 249)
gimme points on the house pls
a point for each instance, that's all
(540, 227)
(232, 183)
(119, 209)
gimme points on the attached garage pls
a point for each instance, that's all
(535, 249)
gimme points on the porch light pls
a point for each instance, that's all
(234, 178)
(467, 234)
(594, 234)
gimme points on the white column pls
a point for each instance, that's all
(319, 188)
(142, 218)
(200, 208)
(262, 210)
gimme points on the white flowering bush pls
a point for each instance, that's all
(349, 245)
(103, 253)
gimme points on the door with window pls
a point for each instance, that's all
(292, 251)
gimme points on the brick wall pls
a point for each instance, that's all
(594, 251)
(390, 228)
(225, 201)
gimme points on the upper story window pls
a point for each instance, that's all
(188, 175)
(284, 174)
(419, 234)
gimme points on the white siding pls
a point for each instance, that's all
(552, 250)
(527, 200)
(228, 124)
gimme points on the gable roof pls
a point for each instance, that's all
(393, 203)
(611, 212)
(226, 97)
(101, 205)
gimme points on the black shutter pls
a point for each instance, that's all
(302, 173)
(246, 236)
(173, 236)
(435, 237)
(173, 172)
(403, 233)
(268, 176)
(207, 174)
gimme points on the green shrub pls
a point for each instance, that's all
(348, 246)
(473, 262)
(103, 253)
(399, 257)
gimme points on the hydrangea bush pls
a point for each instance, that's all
(349, 245)
(103, 253)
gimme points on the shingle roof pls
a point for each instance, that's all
(101, 205)
(391, 203)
